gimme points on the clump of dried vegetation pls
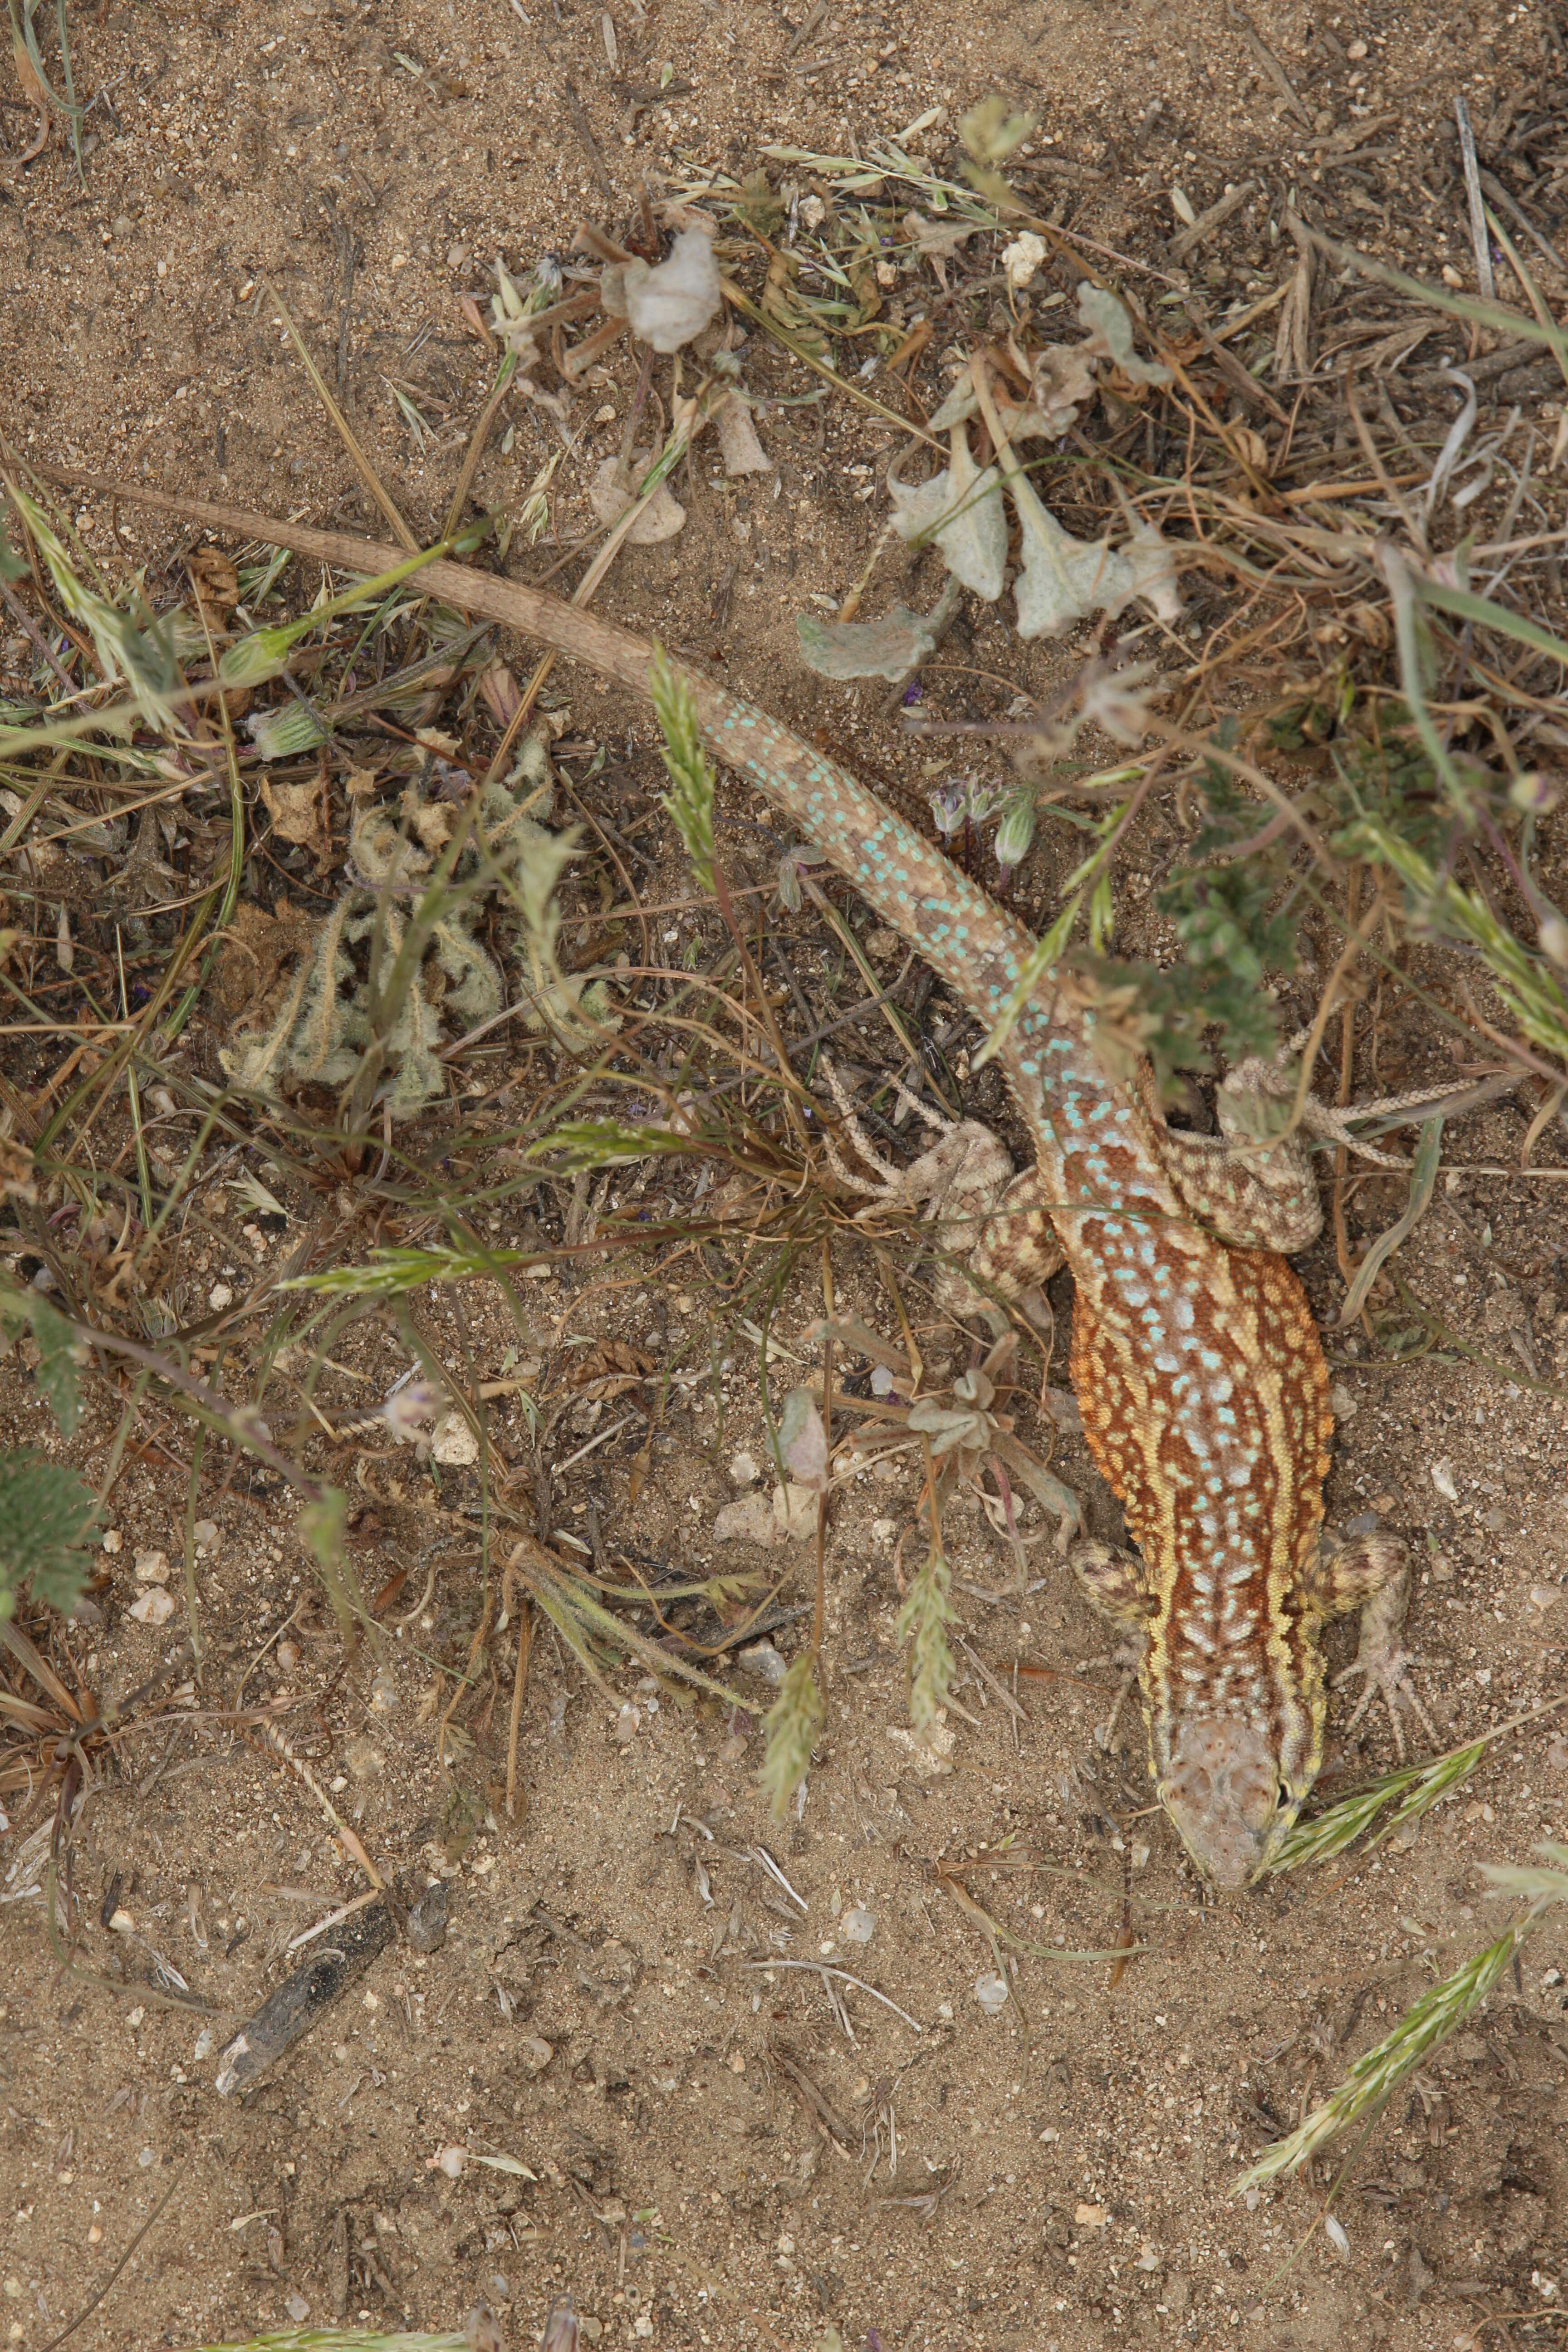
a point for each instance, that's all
(305, 896)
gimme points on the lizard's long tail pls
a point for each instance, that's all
(969, 942)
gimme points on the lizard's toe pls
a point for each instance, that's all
(1387, 1670)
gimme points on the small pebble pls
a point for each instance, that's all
(454, 1444)
(427, 1919)
(991, 1992)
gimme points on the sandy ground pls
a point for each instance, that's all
(714, 2154)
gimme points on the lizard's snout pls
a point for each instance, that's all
(1222, 1794)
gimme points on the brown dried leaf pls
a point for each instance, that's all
(608, 1368)
(295, 811)
(434, 821)
(499, 691)
(660, 518)
(738, 444)
(1251, 446)
(33, 91)
(257, 946)
(17, 1170)
(217, 584)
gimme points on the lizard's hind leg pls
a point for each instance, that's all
(1254, 1192)
(1017, 1248)
(988, 1222)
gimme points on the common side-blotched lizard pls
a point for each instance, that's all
(1198, 1365)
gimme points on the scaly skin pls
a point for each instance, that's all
(1198, 1365)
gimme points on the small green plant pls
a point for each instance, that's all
(1413, 1790)
(47, 1518)
(922, 1622)
(424, 870)
(136, 650)
(690, 800)
(793, 1725)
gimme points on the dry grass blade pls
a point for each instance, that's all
(345, 2339)
(345, 433)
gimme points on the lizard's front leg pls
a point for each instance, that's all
(1116, 1582)
(1372, 1573)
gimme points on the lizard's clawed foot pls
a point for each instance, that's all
(1384, 1662)
(1116, 1582)
(1372, 1573)
(1128, 1656)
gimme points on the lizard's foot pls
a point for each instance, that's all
(1127, 1656)
(1117, 1583)
(968, 1167)
(1253, 1183)
(1384, 1662)
(1372, 1573)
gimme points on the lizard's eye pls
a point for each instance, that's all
(1285, 1794)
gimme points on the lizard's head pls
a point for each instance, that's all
(1225, 1794)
